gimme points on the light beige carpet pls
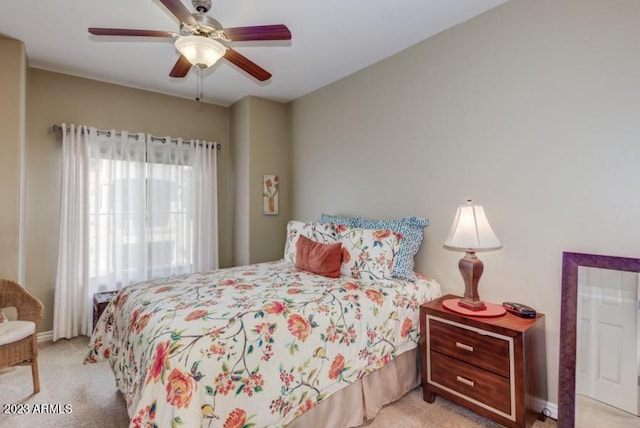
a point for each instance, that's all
(593, 413)
(89, 391)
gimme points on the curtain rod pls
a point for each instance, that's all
(57, 128)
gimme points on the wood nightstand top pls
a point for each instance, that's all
(507, 321)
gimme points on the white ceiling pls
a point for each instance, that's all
(330, 40)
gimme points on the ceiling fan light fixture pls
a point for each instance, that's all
(200, 50)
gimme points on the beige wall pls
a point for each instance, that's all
(261, 146)
(532, 109)
(13, 78)
(54, 98)
(240, 179)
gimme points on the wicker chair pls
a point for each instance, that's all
(24, 350)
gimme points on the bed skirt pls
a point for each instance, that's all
(361, 401)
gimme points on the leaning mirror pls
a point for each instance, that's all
(598, 335)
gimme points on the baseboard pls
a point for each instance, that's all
(550, 410)
(45, 336)
(553, 410)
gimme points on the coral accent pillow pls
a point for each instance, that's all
(319, 258)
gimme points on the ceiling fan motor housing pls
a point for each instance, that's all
(202, 6)
(206, 26)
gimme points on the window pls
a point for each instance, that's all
(140, 217)
(133, 207)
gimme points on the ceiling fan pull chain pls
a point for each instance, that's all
(199, 94)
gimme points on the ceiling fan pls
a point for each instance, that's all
(200, 37)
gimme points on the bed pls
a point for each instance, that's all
(267, 344)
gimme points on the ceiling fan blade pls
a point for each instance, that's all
(258, 32)
(247, 65)
(181, 67)
(180, 11)
(127, 32)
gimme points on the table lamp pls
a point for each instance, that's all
(471, 232)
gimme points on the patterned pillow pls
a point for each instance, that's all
(346, 221)
(3, 318)
(369, 254)
(412, 231)
(319, 232)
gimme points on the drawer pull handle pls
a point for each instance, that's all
(465, 347)
(465, 381)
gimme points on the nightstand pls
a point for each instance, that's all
(495, 366)
(100, 301)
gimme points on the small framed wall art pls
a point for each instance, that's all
(270, 187)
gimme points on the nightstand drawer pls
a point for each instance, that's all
(470, 381)
(487, 352)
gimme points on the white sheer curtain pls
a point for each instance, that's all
(117, 210)
(134, 207)
(70, 313)
(183, 205)
(205, 194)
(170, 212)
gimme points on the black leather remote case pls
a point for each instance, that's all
(519, 309)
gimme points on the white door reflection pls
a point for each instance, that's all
(607, 356)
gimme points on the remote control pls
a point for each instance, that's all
(519, 309)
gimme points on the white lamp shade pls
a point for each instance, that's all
(471, 230)
(200, 50)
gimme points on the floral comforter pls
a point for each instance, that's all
(254, 345)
